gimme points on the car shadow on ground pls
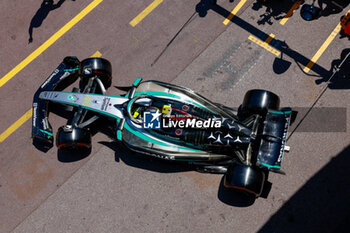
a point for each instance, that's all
(141, 161)
(321, 205)
(69, 157)
(227, 196)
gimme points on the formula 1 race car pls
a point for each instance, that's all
(167, 121)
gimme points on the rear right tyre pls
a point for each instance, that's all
(245, 179)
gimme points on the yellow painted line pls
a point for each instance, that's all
(234, 12)
(290, 12)
(27, 115)
(265, 44)
(49, 42)
(326, 43)
(145, 12)
(270, 38)
(96, 54)
(16, 125)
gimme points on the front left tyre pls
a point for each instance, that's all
(73, 139)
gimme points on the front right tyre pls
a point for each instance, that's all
(100, 67)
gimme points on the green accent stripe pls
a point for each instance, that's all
(48, 133)
(72, 69)
(272, 166)
(119, 135)
(282, 113)
(137, 82)
(156, 93)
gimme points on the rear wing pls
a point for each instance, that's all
(273, 139)
(63, 76)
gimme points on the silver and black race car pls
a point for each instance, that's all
(167, 121)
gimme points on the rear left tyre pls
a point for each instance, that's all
(259, 102)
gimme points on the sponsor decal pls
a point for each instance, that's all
(49, 95)
(49, 79)
(87, 100)
(186, 122)
(45, 123)
(151, 120)
(73, 98)
(185, 108)
(105, 103)
(87, 71)
(167, 157)
(178, 132)
(52, 95)
(286, 126)
(66, 74)
(35, 107)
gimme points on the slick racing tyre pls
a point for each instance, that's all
(99, 67)
(73, 139)
(259, 102)
(245, 179)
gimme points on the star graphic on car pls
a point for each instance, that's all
(156, 116)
